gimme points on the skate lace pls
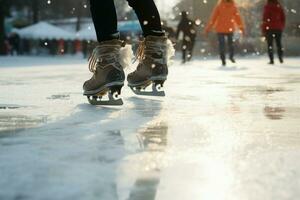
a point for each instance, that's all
(140, 53)
(96, 59)
(144, 50)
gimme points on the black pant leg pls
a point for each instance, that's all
(148, 16)
(278, 39)
(105, 19)
(222, 50)
(269, 37)
(230, 45)
(191, 48)
(184, 50)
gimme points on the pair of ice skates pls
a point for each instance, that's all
(107, 64)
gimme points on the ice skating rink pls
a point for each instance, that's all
(221, 133)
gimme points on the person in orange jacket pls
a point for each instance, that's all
(225, 20)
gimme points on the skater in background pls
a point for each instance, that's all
(187, 27)
(107, 61)
(225, 19)
(272, 27)
(14, 41)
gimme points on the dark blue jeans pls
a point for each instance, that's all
(105, 18)
(222, 45)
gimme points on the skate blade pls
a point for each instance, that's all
(104, 89)
(112, 92)
(156, 89)
(95, 102)
(148, 93)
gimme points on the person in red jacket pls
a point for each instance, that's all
(272, 27)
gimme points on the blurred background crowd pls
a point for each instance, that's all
(64, 27)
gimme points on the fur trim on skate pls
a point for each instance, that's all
(170, 52)
(126, 56)
(168, 48)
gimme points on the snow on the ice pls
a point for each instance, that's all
(220, 133)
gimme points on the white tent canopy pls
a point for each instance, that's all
(43, 30)
(88, 32)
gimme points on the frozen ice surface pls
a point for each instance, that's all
(220, 133)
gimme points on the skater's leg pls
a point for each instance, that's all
(231, 47)
(183, 55)
(106, 64)
(105, 19)
(190, 49)
(106, 61)
(221, 39)
(148, 16)
(278, 39)
(269, 38)
(153, 52)
(184, 51)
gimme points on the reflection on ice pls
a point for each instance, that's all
(232, 68)
(144, 189)
(59, 96)
(153, 138)
(10, 106)
(146, 107)
(216, 135)
(10, 123)
(274, 113)
(146, 163)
